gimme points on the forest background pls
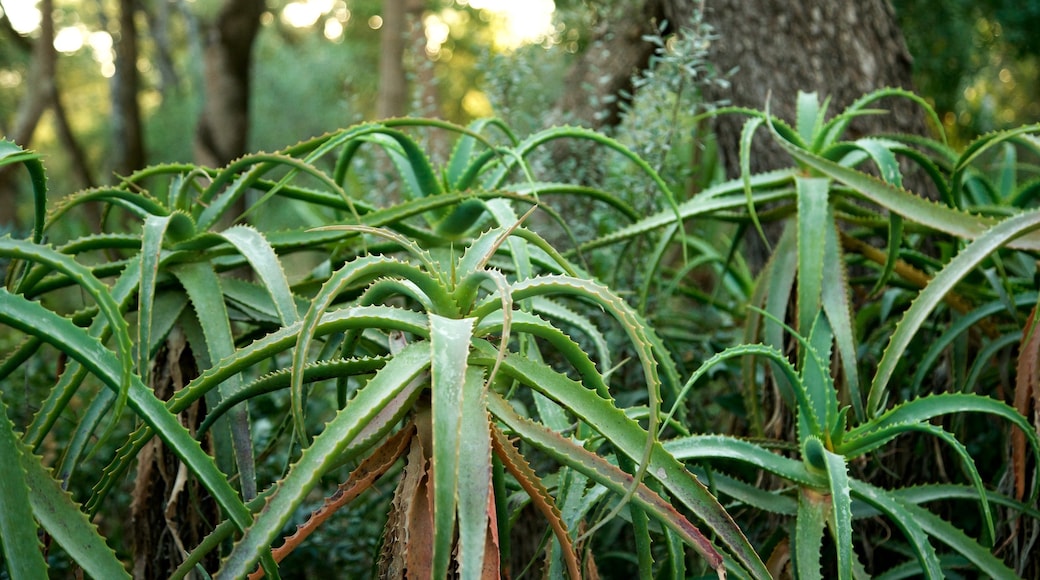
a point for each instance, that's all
(286, 71)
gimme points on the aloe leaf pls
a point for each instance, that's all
(752, 494)
(838, 476)
(652, 353)
(809, 116)
(709, 447)
(10, 152)
(314, 372)
(256, 249)
(32, 318)
(138, 203)
(449, 349)
(358, 271)
(839, 123)
(504, 214)
(530, 324)
(819, 385)
(980, 146)
(919, 494)
(63, 520)
(966, 261)
(598, 469)
(813, 221)
(97, 290)
(72, 378)
(778, 283)
(767, 187)
(474, 474)
(511, 460)
(325, 450)
(23, 553)
(888, 167)
(835, 301)
(768, 352)
(812, 516)
(201, 283)
(243, 173)
(908, 518)
(152, 236)
(462, 167)
(629, 438)
(746, 135)
(906, 204)
(548, 135)
(568, 317)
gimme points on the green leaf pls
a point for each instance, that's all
(838, 477)
(810, 116)
(327, 448)
(256, 249)
(746, 135)
(601, 471)
(63, 520)
(202, 285)
(32, 318)
(474, 474)
(449, 350)
(812, 515)
(10, 152)
(23, 553)
(908, 519)
(767, 187)
(629, 438)
(910, 206)
(836, 306)
(918, 312)
(814, 220)
(108, 306)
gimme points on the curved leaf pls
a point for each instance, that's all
(970, 257)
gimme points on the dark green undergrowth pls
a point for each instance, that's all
(342, 382)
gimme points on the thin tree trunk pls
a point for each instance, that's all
(393, 81)
(128, 139)
(158, 17)
(77, 157)
(222, 130)
(599, 79)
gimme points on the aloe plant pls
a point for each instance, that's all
(843, 195)
(434, 329)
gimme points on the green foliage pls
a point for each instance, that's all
(336, 336)
(846, 391)
(426, 317)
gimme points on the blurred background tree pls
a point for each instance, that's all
(104, 86)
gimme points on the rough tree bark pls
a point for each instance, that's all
(779, 47)
(837, 49)
(223, 126)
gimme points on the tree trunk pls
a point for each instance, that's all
(601, 77)
(128, 140)
(223, 126)
(402, 26)
(838, 49)
(778, 47)
(393, 81)
(170, 511)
